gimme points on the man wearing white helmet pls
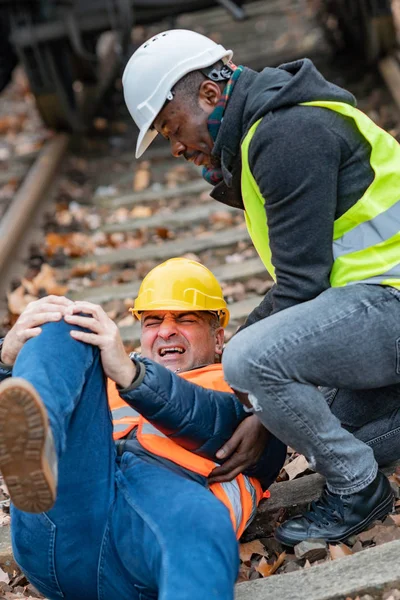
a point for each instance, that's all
(136, 511)
(318, 181)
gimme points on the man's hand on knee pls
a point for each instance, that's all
(28, 325)
(104, 334)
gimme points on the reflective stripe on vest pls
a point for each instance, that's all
(366, 238)
(241, 496)
(124, 420)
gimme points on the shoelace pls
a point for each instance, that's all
(329, 507)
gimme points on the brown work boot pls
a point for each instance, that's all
(28, 461)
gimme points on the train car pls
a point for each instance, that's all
(365, 27)
(57, 42)
(71, 64)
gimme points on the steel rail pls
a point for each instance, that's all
(32, 191)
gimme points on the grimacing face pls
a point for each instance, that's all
(184, 124)
(180, 340)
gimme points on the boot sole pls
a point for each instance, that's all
(23, 461)
(380, 511)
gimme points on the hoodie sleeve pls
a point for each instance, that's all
(198, 419)
(4, 372)
(270, 463)
(264, 309)
(295, 159)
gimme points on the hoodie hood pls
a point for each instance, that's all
(255, 95)
(288, 85)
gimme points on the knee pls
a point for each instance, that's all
(245, 361)
(52, 329)
(54, 333)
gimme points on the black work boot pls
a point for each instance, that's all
(28, 461)
(335, 517)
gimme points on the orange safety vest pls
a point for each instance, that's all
(241, 496)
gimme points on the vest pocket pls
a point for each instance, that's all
(33, 541)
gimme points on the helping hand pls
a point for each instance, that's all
(243, 450)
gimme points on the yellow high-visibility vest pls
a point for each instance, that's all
(366, 238)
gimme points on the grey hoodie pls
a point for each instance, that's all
(311, 165)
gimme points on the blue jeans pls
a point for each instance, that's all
(316, 366)
(121, 528)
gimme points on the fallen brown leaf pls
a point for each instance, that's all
(339, 550)
(141, 179)
(116, 239)
(12, 123)
(103, 269)
(140, 212)
(297, 466)
(83, 269)
(222, 217)
(163, 233)
(247, 550)
(266, 569)
(71, 244)
(45, 280)
(18, 300)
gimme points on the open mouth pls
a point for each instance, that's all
(170, 351)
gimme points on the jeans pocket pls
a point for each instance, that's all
(33, 541)
(398, 356)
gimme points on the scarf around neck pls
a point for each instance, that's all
(214, 174)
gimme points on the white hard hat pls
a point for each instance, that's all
(156, 67)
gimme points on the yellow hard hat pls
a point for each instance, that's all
(181, 284)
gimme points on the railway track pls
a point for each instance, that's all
(103, 250)
(89, 221)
